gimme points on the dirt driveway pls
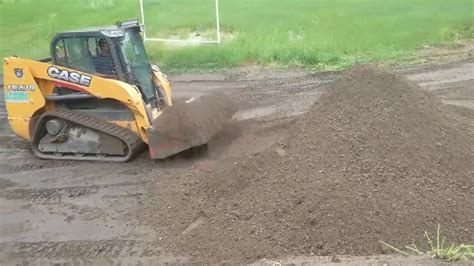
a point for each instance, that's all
(80, 212)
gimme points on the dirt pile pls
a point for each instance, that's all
(376, 158)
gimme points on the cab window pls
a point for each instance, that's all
(87, 54)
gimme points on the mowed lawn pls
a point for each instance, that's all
(315, 33)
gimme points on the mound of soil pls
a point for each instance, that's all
(376, 158)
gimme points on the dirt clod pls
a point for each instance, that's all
(376, 158)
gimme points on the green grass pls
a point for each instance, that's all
(438, 249)
(313, 33)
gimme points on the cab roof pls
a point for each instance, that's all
(117, 30)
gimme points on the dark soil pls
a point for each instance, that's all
(376, 158)
(197, 120)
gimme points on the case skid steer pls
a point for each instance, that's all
(99, 98)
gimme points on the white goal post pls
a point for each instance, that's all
(218, 41)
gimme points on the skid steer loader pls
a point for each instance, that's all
(98, 98)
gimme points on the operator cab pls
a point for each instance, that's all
(115, 52)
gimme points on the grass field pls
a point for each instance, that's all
(315, 33)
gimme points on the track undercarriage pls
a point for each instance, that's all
(71, 135)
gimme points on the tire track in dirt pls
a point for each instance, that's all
(277, 91)
(82, 249)
(58, 194)
(29, 167)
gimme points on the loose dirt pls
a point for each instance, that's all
(196, 120)
(376, 158)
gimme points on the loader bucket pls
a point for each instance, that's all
(189, 124)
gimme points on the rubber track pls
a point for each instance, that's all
(130, 138)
